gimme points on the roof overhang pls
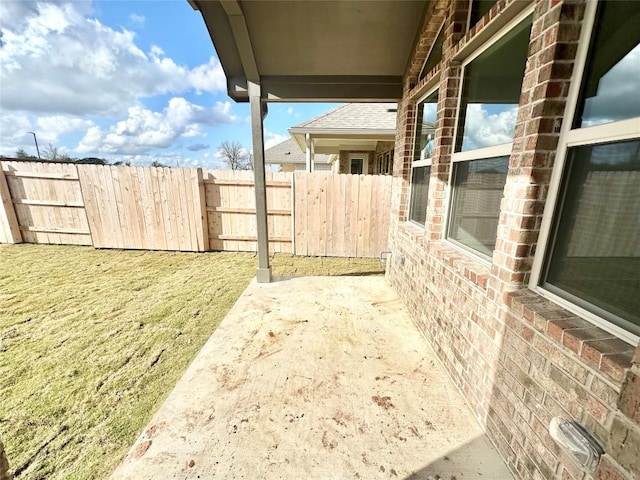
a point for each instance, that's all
(331, 141)
(330, 50)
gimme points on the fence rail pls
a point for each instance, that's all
(106, 206)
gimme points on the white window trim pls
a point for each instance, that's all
(501, 25)
(569, 137)
(483, 153)
(365, 161)
(419, 163)
(478, 153)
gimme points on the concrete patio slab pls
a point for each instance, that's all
(315, 378)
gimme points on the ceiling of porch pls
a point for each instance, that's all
(314, 50)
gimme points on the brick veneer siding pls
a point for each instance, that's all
(518, 358)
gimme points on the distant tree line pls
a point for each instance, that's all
(232, 153)
(52, 154)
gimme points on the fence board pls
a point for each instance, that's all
(47, 202)
(9, 226)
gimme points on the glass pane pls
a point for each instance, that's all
(479, 8)
(435, 55)
(356, 166)
(419, 194)
(478, 188)
(596, 253)
(426, 127)
(491, 92)
(611, 84)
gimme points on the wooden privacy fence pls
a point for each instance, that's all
(315, 214)
(341, 215)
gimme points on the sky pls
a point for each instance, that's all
(133, 81)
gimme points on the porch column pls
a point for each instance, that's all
(263, 275)
(307, 152)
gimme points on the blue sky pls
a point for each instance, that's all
(122, 80)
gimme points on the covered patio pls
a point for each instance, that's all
(315, 377)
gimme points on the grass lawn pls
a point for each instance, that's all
(92, 341)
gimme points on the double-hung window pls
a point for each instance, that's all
(591, 226)
(423, 150)
(492, 81)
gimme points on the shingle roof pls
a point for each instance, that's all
(360, 116)
(289, 152)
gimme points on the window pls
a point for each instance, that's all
(423, 150)
(357, 165)
(479, 8)
(595, 257)
(591, 228)
(385, 163)
(491, 86)
(388, 163)
(435, 54)
(491, 91)
(612, 75)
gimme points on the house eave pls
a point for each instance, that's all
(256, 42)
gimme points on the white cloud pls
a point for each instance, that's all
(290, 110)
(51, 127)
(208, 77)
(271, 139)
(145, 130)
(13, 134)
(137, 19)
(54, 59)
(484, 129)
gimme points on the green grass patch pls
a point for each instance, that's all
(92, 342)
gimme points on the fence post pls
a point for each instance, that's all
(8, 220)
(203, 210)
(293, 213)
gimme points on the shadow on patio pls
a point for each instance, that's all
(315, 377)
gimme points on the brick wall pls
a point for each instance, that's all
(518, 358)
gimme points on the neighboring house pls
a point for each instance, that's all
(289, 158)
(353, 138)
(359, 136)
(515, 240)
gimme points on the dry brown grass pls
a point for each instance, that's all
(92, 341)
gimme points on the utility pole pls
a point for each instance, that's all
(36, 142)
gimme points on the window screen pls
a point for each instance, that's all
(478, 190)
(595, 255)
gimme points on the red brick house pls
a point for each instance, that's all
(516, 234)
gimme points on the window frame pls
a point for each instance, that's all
(431, 88)
(426, 59)
(484, 153)
(573, 137)
(363, 157)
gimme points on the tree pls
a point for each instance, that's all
(235, 156)
(156, 163)
(21, 153)
(51, 153)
